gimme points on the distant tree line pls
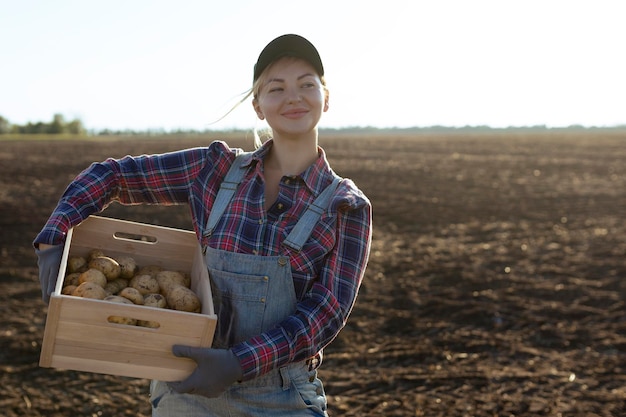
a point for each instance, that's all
(58, 125)
(469, 129)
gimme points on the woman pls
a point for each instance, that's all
(286, 208)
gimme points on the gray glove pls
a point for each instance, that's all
(49, 262)
(217, 370)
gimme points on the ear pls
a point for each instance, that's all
(326, 99)
(257, 109)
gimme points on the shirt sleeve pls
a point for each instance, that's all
(147, 179)
(324, 310)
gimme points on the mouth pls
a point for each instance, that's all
(295, 113)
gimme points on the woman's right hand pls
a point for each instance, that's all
(49, 262)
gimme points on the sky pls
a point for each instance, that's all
(153, 64)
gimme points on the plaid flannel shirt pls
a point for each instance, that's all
(327, 272)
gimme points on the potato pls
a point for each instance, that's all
(186, 279)
(117, 299)
(150, 270)
(154, 300)
(68, 289)
(94, 253)
(89, 290)
(93, 275)
(169, 279)
(76, 264)
(72, 279)
(108, 266)
(115, 286)
(120, 319)
(132, 294)
(128, 266)
(183, 299)
(145, 284)
(148, 323)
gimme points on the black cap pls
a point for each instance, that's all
(288, 45)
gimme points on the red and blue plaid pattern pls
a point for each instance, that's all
(327, 272)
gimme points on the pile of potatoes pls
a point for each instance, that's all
(120, 280)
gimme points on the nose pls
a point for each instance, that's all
(294, 96)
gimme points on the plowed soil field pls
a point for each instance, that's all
(496, 284)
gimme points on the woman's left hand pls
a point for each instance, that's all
(217, 370)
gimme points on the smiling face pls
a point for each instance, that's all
(291, 97)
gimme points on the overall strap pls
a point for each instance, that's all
(226, 192)
(303, 229)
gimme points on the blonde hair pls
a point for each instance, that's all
(254, 92)
(251, 92)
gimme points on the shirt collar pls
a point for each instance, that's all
(316, 177)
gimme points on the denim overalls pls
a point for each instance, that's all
(252, 294)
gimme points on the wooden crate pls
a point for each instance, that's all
(78, 335)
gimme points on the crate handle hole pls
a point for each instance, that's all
(135, 237)
(128, 321)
